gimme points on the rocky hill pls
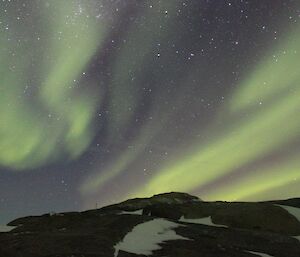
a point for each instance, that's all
(171, 224)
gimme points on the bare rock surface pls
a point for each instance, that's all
(172, 224)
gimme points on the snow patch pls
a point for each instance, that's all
(138, 212)
(6, 228)
(260, 254)
(292, 210)
(203, 221)
(146, 237)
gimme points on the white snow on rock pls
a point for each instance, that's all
(4, 228)
(203, 221)
(260, 254)
(138, 212)
(146, 237)
(292, 210)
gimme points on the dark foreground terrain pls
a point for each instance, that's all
(172, 224)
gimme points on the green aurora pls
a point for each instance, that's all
(58, 112)
(272, 94)
(269, 98)
(138, 110)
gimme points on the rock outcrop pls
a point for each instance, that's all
(171, 224)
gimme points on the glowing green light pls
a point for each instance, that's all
(56, 121)
(272, 124)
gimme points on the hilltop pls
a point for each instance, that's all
(171, 224)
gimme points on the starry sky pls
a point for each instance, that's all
(104, 100)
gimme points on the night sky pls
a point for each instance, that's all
(104, 100)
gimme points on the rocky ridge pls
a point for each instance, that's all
(170, 224)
